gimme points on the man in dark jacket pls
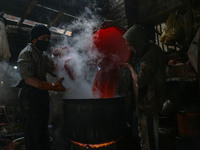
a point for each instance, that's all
(148, 76)
(34, 64)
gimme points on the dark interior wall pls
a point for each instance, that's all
(153, 12)
(125, 13)
(117, 13)
(17, 39)
(157, 11)
(183, 94)
(131, 8)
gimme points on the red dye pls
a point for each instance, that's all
(111, 44)
(106, 82)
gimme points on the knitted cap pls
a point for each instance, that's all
(38, 30)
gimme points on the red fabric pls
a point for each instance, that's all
(106, 82)
(111, 44)
(69, 68)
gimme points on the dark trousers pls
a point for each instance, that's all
(34, 106)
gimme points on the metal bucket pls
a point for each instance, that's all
(94, 120)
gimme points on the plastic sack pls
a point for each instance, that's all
(174, 30)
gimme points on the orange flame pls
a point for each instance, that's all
(94, 145)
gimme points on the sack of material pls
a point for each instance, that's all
(173, 31)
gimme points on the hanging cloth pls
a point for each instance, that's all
(4, 47)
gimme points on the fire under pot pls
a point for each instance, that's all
(94, 122)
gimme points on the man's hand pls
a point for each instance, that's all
(127, 65)
(57, 86)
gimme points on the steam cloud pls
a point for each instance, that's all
(79, 57)
(75, 53)
(9, 77)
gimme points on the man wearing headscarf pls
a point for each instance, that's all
(149, 84)
(34, 64)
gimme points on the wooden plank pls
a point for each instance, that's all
(56, 18)
(27, 11)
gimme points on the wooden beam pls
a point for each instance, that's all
(27, 11)
(58, 16)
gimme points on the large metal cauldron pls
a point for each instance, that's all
(94, 121)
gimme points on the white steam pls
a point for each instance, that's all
(9, 77)
(79, 58)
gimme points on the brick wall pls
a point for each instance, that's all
(117, 12)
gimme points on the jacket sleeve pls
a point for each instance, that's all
(49, 65)
(148, 68)
(26, 65)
